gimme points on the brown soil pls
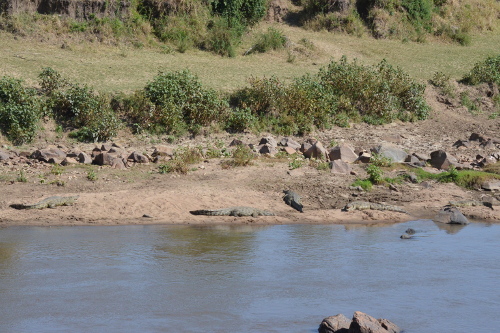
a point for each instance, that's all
(125, 196)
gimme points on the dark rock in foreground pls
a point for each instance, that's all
(360, 323)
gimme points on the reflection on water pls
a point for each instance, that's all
(245, 278)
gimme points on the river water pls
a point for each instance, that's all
(248, 279)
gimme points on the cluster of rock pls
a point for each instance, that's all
(339, 157)
(360, 323)
(113, 155)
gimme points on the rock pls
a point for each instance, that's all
(288, 142)
(451, 215)
(115, 150)
(422, 157)
(163, 151)
(335, 324)
(442, 160)
(104, 158)
(235, 142)
(393, 152)
(491, 185)
(84, 158)
(289, 150)
(389, 326)
(461, 143)
(363, 323)
(488, 145)
(316, 150)
(69, 161)
(118, 163)
(339, 166)
(267, 149)
(47, 154)
(268, 140)
(4, 156)
(277, 11)
(412, 159)
(476, 137)
(344, 153)
(364, 157)
(106, 146)
(138, 158)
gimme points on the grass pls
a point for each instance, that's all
(107, 70)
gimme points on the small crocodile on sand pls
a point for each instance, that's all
(50, 202)
(233, 211)
(361, 205)
(293, 200)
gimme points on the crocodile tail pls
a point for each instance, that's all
(201, 212)
(19, 206)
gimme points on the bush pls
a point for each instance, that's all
(246, 12)
(374, 174)
(341, 92)
(273, 39)
(487, 71)
(222, 38)
(181, 161)
(176, 102)
(81, 108)
(19, 111)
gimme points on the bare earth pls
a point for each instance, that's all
(126, 196)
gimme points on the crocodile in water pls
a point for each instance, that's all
(293, 199)
(50, 202)
(361, 205)
(233, 211)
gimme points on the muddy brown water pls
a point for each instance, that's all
(247, 279)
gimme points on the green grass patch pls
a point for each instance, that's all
(470, 179)
(365, 184)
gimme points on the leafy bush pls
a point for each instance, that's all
(176, 102)
(273, 39)
(374, 174)
(487, 71)
(181, 161)
(341, 92)
(246, 12)
(240, 120)
(223, 38)
(19, 111)
(242, 156)
(380, 160)
(81, 108)
(442, 81)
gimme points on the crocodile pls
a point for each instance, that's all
(466, 203)
(361, 205)
(293, 199)
(233, 211)
(50, 202)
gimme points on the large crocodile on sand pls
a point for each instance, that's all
(50, 202)
(293, 200)
(233, 211)
(361, 205)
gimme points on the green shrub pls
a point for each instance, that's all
(222, 39)
(487, 71)
(246, 12)
(90, 114)
(240, 120)
(19, 111)
(181, 161)
(442, 81)
(272, 39)
(365, 184)
(242, 156)
(471, 105)
(374, 174)
(176, 102)
(380, 160)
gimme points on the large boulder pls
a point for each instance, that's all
(363, 323)
(4, 156)
(393, 152)
(339, 166)
(288, 142)
(268, 140)
(451, 215)
(335, 324)
(344, 153)
(138, 158)
(49, 154)
(442, 160)
(491, 185)
(314, 149)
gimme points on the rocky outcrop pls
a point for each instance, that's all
(442, 160)
(451, 215)
(344, 153)
(390, 151)
(360, 323)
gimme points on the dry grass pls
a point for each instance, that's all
(122, 69)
